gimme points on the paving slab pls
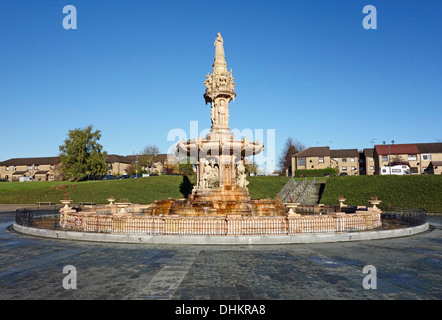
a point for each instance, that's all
(406, 268)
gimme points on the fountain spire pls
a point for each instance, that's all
(220, 88)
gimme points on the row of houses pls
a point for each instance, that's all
(420, 157)
(50, 168)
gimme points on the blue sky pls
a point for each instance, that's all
(135, 70)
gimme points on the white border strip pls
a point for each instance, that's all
(222, 240)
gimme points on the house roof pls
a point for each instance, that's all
(112, 158)
(313, 152)
(42, 172)
(344, 153)
(435, 147)
(30, 161)
(19, 173)
(382, 149)
(161, 157)
(368, 152)
(325, 151)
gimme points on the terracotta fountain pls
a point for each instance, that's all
(221, 187)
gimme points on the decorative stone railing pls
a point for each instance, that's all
(219, 225)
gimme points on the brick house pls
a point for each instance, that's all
(430, 157)
(367, 162)
(406, 154)
(50, 168)
(346, 160)
(40, 169)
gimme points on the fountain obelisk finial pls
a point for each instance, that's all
(220, 88)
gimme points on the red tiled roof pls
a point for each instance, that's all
(382, 149)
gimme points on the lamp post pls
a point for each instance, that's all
(136, 169)
(389, 157)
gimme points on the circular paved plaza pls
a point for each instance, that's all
(400, 268)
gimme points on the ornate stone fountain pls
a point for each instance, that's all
(220, 203)
(221, 179)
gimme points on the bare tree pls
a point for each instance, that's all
(149, 156)
(291, 147)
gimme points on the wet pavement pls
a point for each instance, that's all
(401, 268)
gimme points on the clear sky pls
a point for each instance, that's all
(135, 69)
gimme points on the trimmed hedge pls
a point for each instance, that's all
(316, 172)
(410, 191)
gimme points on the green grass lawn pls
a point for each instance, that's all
(142, 190)
(398, 191)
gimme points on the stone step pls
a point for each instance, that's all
(313, 196)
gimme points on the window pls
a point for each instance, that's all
(52, 167)
(384, 170)
(412, 157)
(353, 168)
(7, 168)
(301, 162)
(426, 157)
(414, 170)
(344, 159)
(384, 158)
(37, 167)
(396, 170)
(14, 168)
(321, 160)
(29, 167)
(344, 168)
(352, 160)
(371, 168)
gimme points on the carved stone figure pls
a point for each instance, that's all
(210, 176)
(241, 180)
(219, 48)
(206, 175)
(208, 82)
(213, 175)
(223, 113)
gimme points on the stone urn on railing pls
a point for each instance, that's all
(122, 207)
(66, 203)
(341, 200)
(111, 201)
(374, 201)
(291, 206)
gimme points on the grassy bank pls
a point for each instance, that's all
(143, 190)
(423, 191)
(398, 191)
